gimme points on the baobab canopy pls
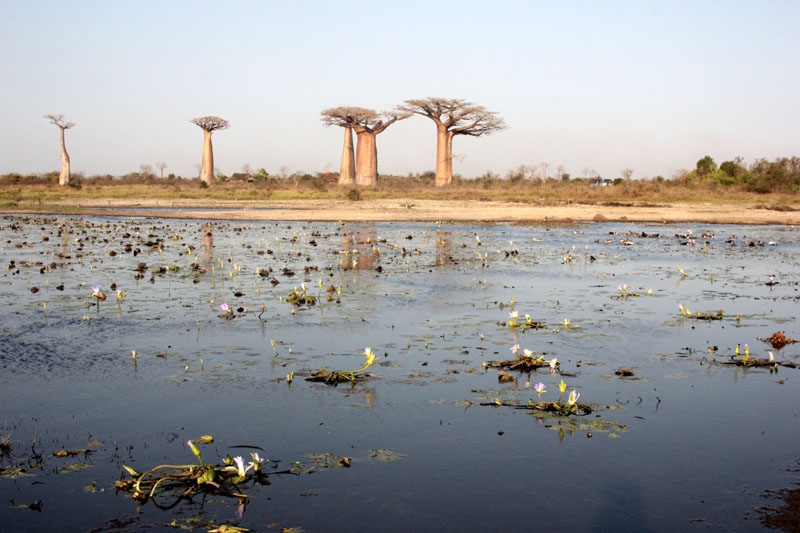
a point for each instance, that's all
(211, 123)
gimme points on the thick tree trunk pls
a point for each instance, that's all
(367, 159)
(63, 177)
(207, 170)
(444, 156)
(347, 171)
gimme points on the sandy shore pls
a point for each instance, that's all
(431, 211)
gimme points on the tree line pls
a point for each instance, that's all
(359, 165)
(452, 117)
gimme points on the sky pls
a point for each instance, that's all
(594, 87)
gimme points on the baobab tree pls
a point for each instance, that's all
(345, 117)
(367, 124)
(58, 120)
(209, 125)
(161, 166)
(453, 117)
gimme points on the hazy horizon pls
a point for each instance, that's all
(586, 85)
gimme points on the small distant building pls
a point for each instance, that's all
(241, 177)
(601, 182)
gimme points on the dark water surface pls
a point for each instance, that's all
(683, 444)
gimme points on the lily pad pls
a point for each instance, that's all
(387, 456)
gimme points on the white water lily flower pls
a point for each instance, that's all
(240, 468)
(256, 463)
(573, 397)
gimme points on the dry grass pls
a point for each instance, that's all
(18, 194)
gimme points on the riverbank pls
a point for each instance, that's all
(413, 210)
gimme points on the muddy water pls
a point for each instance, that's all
(684, 443)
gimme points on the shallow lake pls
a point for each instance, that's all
(674, 437)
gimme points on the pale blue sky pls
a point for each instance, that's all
(606, 85)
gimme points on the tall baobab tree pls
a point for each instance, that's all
(344, 117)
(453, 117)
(58, 120)
(367, 124)
(209, 125)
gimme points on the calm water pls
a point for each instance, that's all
(683, 444)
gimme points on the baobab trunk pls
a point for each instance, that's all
(207, 169)
(347, 171)
(366, 159)
(444, 156)
(63, 177)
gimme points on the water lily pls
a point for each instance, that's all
(239, 467)
(771, 357)
(225, 308)
(554, 364)
(96, 290)
(539, 388)
(256, 463)
(370, 356)
(513, 315)
(195, 451)
(527, 353)
(566, 322)
(573, 397)
(515, 349)
(562, 387)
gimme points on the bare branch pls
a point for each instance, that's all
(210, 123)
(58, 120)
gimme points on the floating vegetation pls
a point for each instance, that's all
(553, 408)
(334, 377)
(744, 359)
(778, 340)
(387, 456)
(710, 315)
(175, 483)
(527, 361)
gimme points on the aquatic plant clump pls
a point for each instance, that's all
(181, 482)
(527, 361)
(334, 377)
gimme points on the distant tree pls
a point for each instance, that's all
(209, 125)
(627, 173)
(545, 165)
(453, 117)
(161, 166)
(734, 168)
(146, 171)
(367, 124)
(58, 120)
(706, 166)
